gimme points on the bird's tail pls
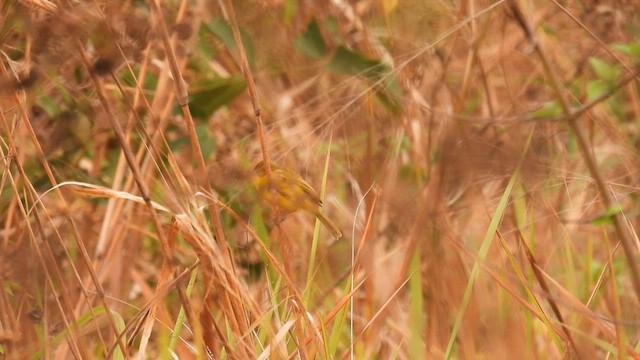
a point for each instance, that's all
(335, 231)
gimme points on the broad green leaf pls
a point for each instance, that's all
(548, 110)
(632, 49)
(607, 217)
(209, 95)
(331, 25)
(383, 81)
(595, 89)
(311, 42)
(390, 93)
(222, 30)
(206, 47)
(604, 70)
(353, 63)
(206, 140)
(615, 106)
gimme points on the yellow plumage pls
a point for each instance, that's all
(288, 192)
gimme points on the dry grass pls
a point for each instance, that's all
(481, 159)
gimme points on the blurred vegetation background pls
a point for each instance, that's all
(480, 158)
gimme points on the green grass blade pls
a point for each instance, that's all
(484, 250)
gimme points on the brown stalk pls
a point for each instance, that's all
(273, 261)
(621, 227)
(617, 309)
(11, 332)
(236, 309)
(128, 154)
(192, 318)
(183, 100)
(64, 305)
(582, 308)
(257, 111)
(86, 258)
(255, 101)
(134, 323)
(596, 38)
(545, 288)
(253, 92)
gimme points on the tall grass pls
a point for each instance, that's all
(481, 159)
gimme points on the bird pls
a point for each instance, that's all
(288, 192)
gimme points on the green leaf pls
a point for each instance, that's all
(339, 326)
(120, 326)
(605, 71)
(631, 49)
(207, 142)
(84, 320)
(416, 308)
(331, 25)
(222, 30)
(548, 110)
(290, 10)
(311, 42)
(390, 95)
(211, 94)
(607, 217)
(150, 80)
(617, 109)
(49, 106)
(596, 88)
(385, 83)
(206, 47)
(353, 63)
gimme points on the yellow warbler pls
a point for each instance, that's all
(288, 192)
